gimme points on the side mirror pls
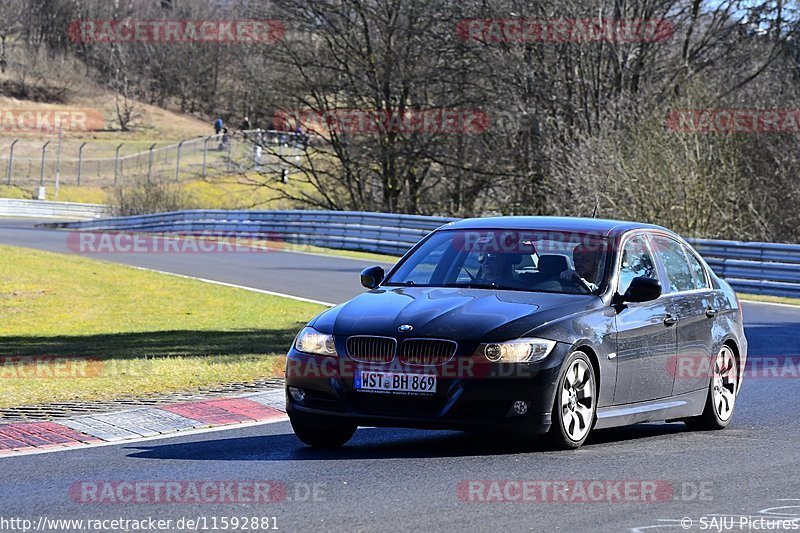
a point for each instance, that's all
(371, 277)
(642, 290)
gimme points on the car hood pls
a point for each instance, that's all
(450, 313)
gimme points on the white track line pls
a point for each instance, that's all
(243, 287)
(791, 306)
(328, 304)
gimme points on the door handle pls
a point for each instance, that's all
(670, 320)
(711, 312)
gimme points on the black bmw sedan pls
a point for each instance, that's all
(529, 325)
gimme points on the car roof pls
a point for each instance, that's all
(597, 226)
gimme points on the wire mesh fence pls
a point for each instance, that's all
(100, 164)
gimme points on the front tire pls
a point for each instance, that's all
(575, 405)
(319, 435)
(721, 398)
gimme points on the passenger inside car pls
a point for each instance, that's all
(586, 260)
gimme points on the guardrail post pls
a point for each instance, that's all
(178, 165)
(80, 162)
(116, 164)
(41, 169)
(11, 162)
(150, 164)
(205, 155)
(58, 160)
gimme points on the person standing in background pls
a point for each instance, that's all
(226, 139)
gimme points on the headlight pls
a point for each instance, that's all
(517, 351)
(312, 341)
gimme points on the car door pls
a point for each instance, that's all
(646, 338)
(691, 303)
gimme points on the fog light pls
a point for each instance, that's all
(520, 407)
(298, 395)
(493, 352)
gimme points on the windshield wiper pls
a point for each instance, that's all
(472, 285)
(400, 284)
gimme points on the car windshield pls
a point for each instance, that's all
(522, 260)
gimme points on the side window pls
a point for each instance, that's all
(699, 272)
(636, 262)
(676, 265)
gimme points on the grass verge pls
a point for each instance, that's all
(367, 256)
(228, 192)
(768, 299)
(142, 332)
(66, 193)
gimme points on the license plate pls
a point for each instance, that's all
(394, 383)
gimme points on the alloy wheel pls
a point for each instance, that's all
(577, 400)
(724, 384)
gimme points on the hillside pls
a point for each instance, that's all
(152, 125)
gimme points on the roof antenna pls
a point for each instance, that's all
(600, 192)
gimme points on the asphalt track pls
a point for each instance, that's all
(392, 479)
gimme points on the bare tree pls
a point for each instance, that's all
(10, 26)
(568, 121)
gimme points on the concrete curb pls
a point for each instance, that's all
(20, 438)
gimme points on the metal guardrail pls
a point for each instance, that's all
(373, 232)
(750, 267)
(43, 209)
(754, 267)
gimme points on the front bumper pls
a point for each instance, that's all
(470, 395)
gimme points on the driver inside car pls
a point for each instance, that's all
(586, 260)
(498, 269)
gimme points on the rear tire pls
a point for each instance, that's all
(575, 405)
(320, 435)
(721, 398)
